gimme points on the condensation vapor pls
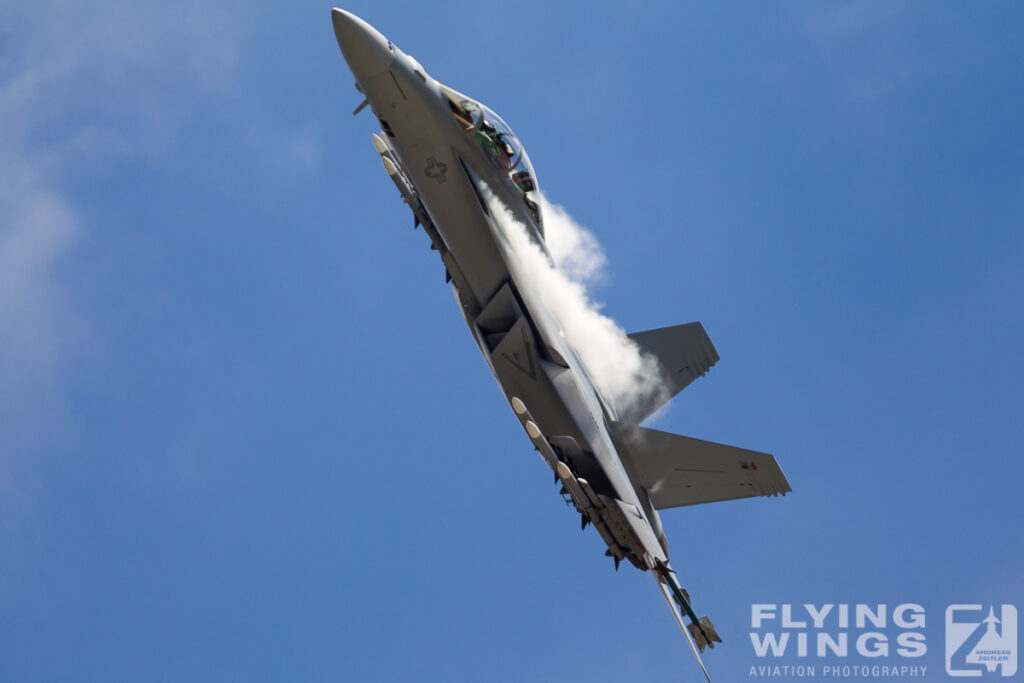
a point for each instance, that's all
(624, 375)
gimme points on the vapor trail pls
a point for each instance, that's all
(624, 375)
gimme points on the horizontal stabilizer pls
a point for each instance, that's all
(685, 353)
(678, 470)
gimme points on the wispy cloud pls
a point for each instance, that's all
(77, 94)
(38, 226)
(82, 89)
(864, 45)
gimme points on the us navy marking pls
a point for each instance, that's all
(436, 169)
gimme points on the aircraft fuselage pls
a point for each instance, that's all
(452, 176)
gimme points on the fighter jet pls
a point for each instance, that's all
(465, 175)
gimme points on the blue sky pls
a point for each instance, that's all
(245, 435)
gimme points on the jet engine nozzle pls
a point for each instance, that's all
(366, 50)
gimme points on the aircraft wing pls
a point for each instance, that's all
(679, 470)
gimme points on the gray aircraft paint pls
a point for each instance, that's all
(616, 474)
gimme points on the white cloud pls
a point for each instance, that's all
(80, 89)
(76, 94)
(38, 228)
(865, 47)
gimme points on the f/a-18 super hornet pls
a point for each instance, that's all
(465, 174)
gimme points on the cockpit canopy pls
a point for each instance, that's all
(500, 145)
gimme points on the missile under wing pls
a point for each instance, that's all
(469, 182)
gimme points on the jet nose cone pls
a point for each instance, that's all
(367, 52)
